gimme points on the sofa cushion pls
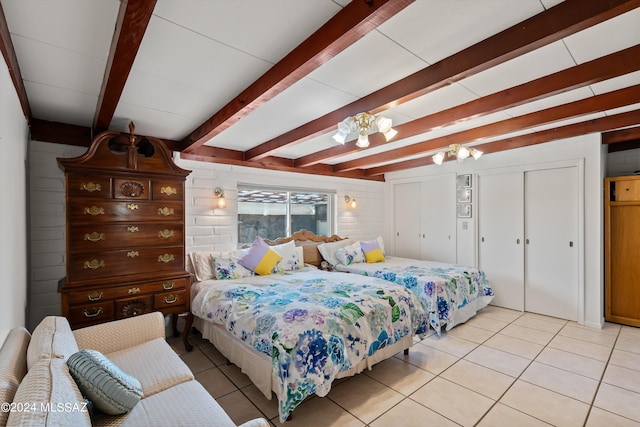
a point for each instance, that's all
(154, 364)
(13, 366)
(52, 397)
(188, 403)
(51, 338)
(111, 390)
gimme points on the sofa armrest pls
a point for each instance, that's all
(120, 334)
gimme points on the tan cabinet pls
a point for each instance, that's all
(125, 231)
(622, 249)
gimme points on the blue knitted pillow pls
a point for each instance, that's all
(109, 388)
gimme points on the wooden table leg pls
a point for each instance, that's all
(174, 325)
(185, 333)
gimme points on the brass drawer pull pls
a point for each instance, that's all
(94, 210)
(134, 290)
(94, 237)
(90, 187)
(132, 229)
(132, 254)
(166, 258)
(169, 191)
(92, 312)
(133, 206)
(170, 299)
(94, 264)
(95, 296)
(165, 211)
(165, 234)
(168, 285)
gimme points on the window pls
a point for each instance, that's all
(271, 213)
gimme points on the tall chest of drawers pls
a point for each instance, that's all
(125, 231)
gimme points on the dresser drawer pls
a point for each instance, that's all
(133, 261)
(108, 293)
(124, 211)
(627, 190)
(94, 313)
(132, 189)
(168, 190)
(86, 186)
(96, 237)
(134, 306)
(169, 299)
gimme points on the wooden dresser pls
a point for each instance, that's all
(125, 231)
(622, 249)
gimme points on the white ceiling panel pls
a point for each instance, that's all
(60, 105)
(148, 121)
(549, 102)
(624, 109)
(630, 79)
(267, 29)
(610, 36)
(436, 29)
(438, 100)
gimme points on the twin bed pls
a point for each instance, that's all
(296, 331)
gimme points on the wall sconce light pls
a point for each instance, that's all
(460, 152)
(221, 203)
(350, 201)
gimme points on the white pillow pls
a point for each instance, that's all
(290, 259)
(203, 265)
(328, 250)
(381, 243)
(350, 254)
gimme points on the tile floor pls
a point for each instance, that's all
(500, 368)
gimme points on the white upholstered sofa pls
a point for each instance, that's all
(37, 389)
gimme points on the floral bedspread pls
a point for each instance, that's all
(313, 324)
(453, 293)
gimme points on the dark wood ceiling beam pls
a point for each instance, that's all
(132, 22)
(9, 54)
(621, 135)
(562, 132)
(607, 67)
(350, 24)
(594, 104)
(61, 133)
(554, 24)
(276, 163)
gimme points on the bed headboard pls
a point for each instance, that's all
(309, 242)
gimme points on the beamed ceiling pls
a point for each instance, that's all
(263, 83)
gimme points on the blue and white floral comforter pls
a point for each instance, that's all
(312, 324)
(453, 293)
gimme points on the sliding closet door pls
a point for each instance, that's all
(407, 220)
(500, 228)
(551, 253)
(439, 219)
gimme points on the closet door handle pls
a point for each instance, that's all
(517, 241)
(527, 241)
(482, 239)
(570, 244)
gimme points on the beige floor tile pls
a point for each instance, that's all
(365, 397)
(410, 414)
(630, 332)
(401, 376)
(196, 361)
(320, 412)
(214, 355)
(216, 383)
(498, 360)
(607, 328)
(561, 381)
(583, 348)
(622, 377)
(628, 343)
(600, 418)
(450, 344)
(453, 401)
(268, 407)
(545, 318)
(595, 336)
(478, 378)
(238, 407)
(176, 343)
(429, 359)
(536, 322)
(235, 375)
(545, 405)
(471, 333)
(619, 401)
(489, 324)
(499, 313)
(528, 334)
(626, 359)
(571, 362)
(517, 346)
(501, 415)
